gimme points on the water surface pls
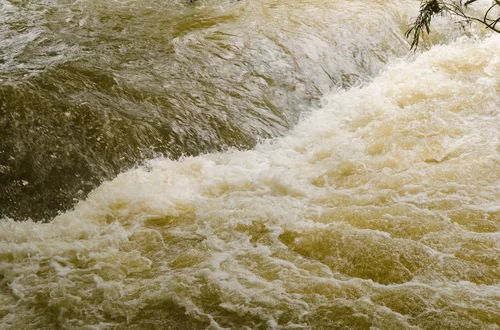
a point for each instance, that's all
(373, 204)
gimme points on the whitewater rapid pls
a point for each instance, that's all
(380, 210)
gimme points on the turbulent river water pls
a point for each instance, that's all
(252, 164)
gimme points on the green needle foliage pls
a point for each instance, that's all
(431, 8)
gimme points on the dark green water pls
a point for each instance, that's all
(91, 88)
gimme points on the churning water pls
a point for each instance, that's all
(375, 205)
